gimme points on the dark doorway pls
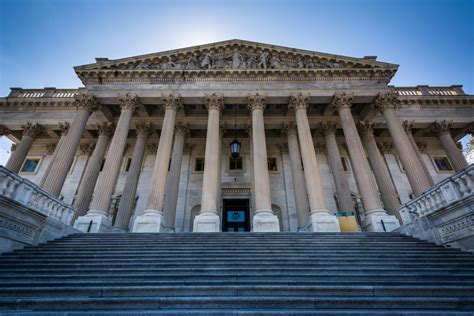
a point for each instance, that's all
(236, 217)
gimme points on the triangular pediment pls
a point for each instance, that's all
(233, 59)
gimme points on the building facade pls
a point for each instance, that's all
(145, 145)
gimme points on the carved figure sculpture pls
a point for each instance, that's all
(262, 60)
(193, 62)
(208, 60)
(275, 62)
(142, 65)
(237, 60)
(299, 63)
(169, 64)
(251, 62)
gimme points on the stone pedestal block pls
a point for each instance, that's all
(322, 221)
(100, 223)
(207, 222)
(150, 222)
(373, 222)
(265, 222)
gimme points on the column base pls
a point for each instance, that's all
(323, 221)
(265, 221)
(373, 222)
(207, 222)
(151, 221)
(93, 223)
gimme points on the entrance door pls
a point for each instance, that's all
(236, 215)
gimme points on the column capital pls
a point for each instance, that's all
(385, 147)
(342, 101)
(422, 146)
(32, 129)
(151, 148)
(387, 100)
(128, 101)
(298, 101)
(64, 128)
(256, 102)
(284, 148)
(106, 128)
(50, 148)
(328, 127)
(183, 129)
(214, 102)
(289, 129)
(4, 130)
(441, 127)
(86, 101)
(408, 126)
(172, 102)
(320, 148)
(365, 127)
(86, 149)
(144, 128)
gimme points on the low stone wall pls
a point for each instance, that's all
(445, 213)
(29, 215)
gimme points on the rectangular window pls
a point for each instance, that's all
(345, 164)
(102, 165)
(235, 163)
(30, 165)
(199, 164)
(127, 164)
(272, 164)
(443, 164)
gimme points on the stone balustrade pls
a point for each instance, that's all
(430, 91)
(29, 195)
(43, 93)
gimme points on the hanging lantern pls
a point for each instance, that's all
(235, 148)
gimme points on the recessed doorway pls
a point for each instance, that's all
(236, 215)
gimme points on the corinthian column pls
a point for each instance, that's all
(342, 188)
(85, 104)
(376, 218)
(171, 200)
(321, 218)
(299, 185)
(382, 175)
(408, 129)
(98, 212)
(414, 170)
(91, 173)
(30, 132)
(263, 220)
(152, 219)
(64, 127)
(143, 129)
(208, 218)
(455, 156)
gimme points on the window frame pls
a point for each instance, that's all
(39, 158)
(195, 162)
(229, 170)
(435, 157)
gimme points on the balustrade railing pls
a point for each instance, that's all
(430, 91)
(42, 93)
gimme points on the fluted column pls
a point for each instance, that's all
(171, 199)
(152, 219)
(64, 127)
(321, 219)
(91, 173)
(85, 104)
(122, 220)
(30, 132)
(455, 156)
(381, 172)
(98, 211)
(342, 187)
(263, 220)
(299, 185)
(208, 218)
(419, 182)
(376, 218)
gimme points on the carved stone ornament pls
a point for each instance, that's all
(365, 127)
(4, 130)
(385, 147)
(299, 102)
(172, 102)
(320, 148)
(328, 127)
(384, 101)
(183, 129)
(50, 148)
(214, 101)
(144, 128)
(284, 148)
(256, 102)
(289, 129)
(86, 101)
(408, 126)
(441, 127)
(129, 102)
(341, 100)
(151, 148)
(32, 130)
(64, 128)
(106, 128)
(86, 149)
(422, 146)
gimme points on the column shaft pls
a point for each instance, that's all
(30, 132)
(64, 129)
(454, 154)
(420, 158)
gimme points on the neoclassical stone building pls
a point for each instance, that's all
(145, 145)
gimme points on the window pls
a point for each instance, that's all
(102, 165)
(272, 164)
(30, 165)
(199, 164)
(127, 164)
(235, 163)
(345, 164)
(442, 164)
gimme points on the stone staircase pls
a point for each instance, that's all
(237, 274)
